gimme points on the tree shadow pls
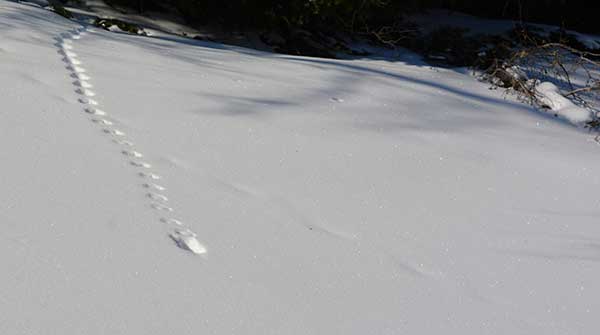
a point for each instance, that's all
(352, 71)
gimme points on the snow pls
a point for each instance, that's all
(551, 97)
(186, 239)
(551, 86)
(306, 196)
(115, 29)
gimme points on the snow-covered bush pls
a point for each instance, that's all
(553, 72)
(59, 9)
(118, 25)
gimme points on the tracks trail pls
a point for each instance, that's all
(183, 236)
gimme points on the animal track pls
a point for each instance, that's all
(132, 153)
(156, 196)
(183, 237)
(102, 122)
(87, 101)
(160, 207)
(82, 83)
(115, 132)
(81, 76)
(141, 164)
(85, 92)
(78, 69)
(186, 239)
(149, 175)
(123, 142)
(153, 186)
(171, 221)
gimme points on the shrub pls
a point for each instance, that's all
(528, 59)
(122, 25)
(61, 10)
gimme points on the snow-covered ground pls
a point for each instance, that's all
(331, 197)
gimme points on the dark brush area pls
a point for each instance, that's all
(367, 14)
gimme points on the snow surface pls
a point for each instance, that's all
(551, 97)
(551, 88)
(324, 196)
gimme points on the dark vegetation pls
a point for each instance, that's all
(320, 27)
(367, 14)
(527, 57)
(122, 25)
(60, 9)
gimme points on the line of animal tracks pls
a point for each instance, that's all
(148, 179)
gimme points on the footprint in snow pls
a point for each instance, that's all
(88, 101)
(102, 122)
(157, 197)
(82, 83)
(94, 111)
(75, 68)
(80, 76)
(186, 239)
(141, 164)
(171, 221)
(132, 153)
(85, 92)
(115, 132)
(123, 142)
(149, 175)
(160, 207)
(153, 186)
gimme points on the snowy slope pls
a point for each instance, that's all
(333, 197)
